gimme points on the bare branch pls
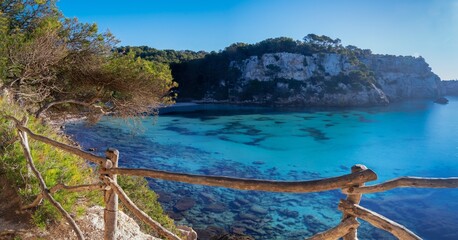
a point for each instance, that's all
(43, 187)
(88, 156)
(73, 101)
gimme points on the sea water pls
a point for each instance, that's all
(416, 138)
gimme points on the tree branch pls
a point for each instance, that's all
(67, 148)
(43, 187)
(60, 186)
(73, 101)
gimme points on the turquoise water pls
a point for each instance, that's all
(417, 138)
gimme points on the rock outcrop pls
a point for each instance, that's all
(404, 77)
(331, 79)
(450, 87)
(93, 224)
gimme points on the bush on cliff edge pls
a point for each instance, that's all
(57, 166)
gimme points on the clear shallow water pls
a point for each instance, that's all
(417, 138)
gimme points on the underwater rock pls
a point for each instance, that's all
(313, 224)
(164, 197)
(184, 204)
(288, 214)
(238, 230)
(258, 162)
(211, 232)
(256, 231)
(175, 216)
(216, 208)
(233, 237)
(235, 204)
(248, 216)
(242, 201)
(207, 197)
(316, 134)
(345, 168)
(258, 210)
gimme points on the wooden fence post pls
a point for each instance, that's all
(111, 198)
(355, 199)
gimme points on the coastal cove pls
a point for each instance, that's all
(414, 138)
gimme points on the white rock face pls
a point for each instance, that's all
(321, 78)
(404, 77)
(128, 229)
(292, 66)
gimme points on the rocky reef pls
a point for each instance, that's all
(331, 79)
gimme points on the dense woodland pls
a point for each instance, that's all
(200, 72)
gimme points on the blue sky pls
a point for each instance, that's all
(427, 28)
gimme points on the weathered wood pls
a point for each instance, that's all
(413, 182)
(355, 199)
(377, 220)
(111, 198)
(139, 213)
(253, 184)
(338, 231)
(60, 186)
(88, 156)
(44, 189)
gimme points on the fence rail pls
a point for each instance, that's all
(251, 184)
(352, 184)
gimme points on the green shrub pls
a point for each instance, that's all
(138, 191)
(57, 166)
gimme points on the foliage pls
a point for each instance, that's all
(47, 59)
(273, 69)
(162, 56)
(57, 166)
(122, 84)
(210, 74)
(356, 80)
(259, 90)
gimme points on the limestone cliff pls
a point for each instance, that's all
(331, 79)
(404, 77)
(450, 87)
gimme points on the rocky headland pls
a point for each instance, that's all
(331, 79)
(450, 87)
(314, 71)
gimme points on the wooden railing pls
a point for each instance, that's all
(352, 184)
